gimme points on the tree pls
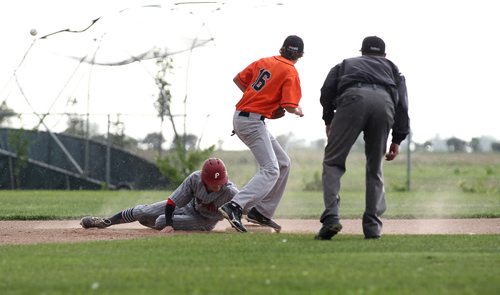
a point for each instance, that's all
(475, 144)
(284, 139)
(495, 146)
(456, 145)
(184, 156)
(153, 140)
(179, 163)
(118, 136)
(319, 144)
(189, 142)
(163, 102)
(19, 142)
(5, 113)
(77, 126)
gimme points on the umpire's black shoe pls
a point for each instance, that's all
(327, 231)
(254, 216)
(232, 212)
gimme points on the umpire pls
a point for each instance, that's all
(361, 94)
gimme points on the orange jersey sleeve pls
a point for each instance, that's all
(270, 83)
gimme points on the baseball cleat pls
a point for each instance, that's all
(89, 221)
(254, 216)
(327, 231)
(232, 212)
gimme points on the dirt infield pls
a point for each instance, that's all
(69, 231)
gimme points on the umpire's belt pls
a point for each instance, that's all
(251, 115)
(368, 85)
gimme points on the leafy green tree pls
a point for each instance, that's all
(179, 163)
(117, 136)
(18, 141)
(76, 126)
(495, 146)
(164, 100)
(184, 157)
(153, 140)
(456, 144)
(5, 113)
(189, 141)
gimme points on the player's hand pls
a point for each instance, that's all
(278, 113)
(393, 152)
(167, 230)
(328, 129)
(298, 112)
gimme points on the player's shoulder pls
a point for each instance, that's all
(195, 174)
(266, 60)
(194, 177)
(231, 187)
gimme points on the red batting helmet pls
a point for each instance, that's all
(214, 172)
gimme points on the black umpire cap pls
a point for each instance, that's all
(373, 45)
(294, 43)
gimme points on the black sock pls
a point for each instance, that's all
(124, 216)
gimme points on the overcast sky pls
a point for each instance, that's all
(446, 50)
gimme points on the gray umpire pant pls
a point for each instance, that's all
(265, 189)
(367, 109)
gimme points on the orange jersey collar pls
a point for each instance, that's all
(282, 59)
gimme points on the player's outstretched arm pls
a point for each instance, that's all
(297, 111)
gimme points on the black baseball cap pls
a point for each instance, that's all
(294, 44)
(373, 45)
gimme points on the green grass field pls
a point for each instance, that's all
(443, 185)
(226, 263)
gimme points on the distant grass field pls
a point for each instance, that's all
(441, 184)
(430, 172)
(444, 185)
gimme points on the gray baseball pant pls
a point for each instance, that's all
(265, 189)
(185, 218)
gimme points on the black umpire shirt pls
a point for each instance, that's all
(368, 69)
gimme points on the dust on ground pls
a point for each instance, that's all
(70, 231)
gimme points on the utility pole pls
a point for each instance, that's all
(408, 164)
(108, 155)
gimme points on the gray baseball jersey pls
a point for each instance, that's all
(196, 209)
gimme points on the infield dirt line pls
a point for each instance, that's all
(70, 231)
(350, 226)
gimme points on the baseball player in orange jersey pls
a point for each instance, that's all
(270, 87)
